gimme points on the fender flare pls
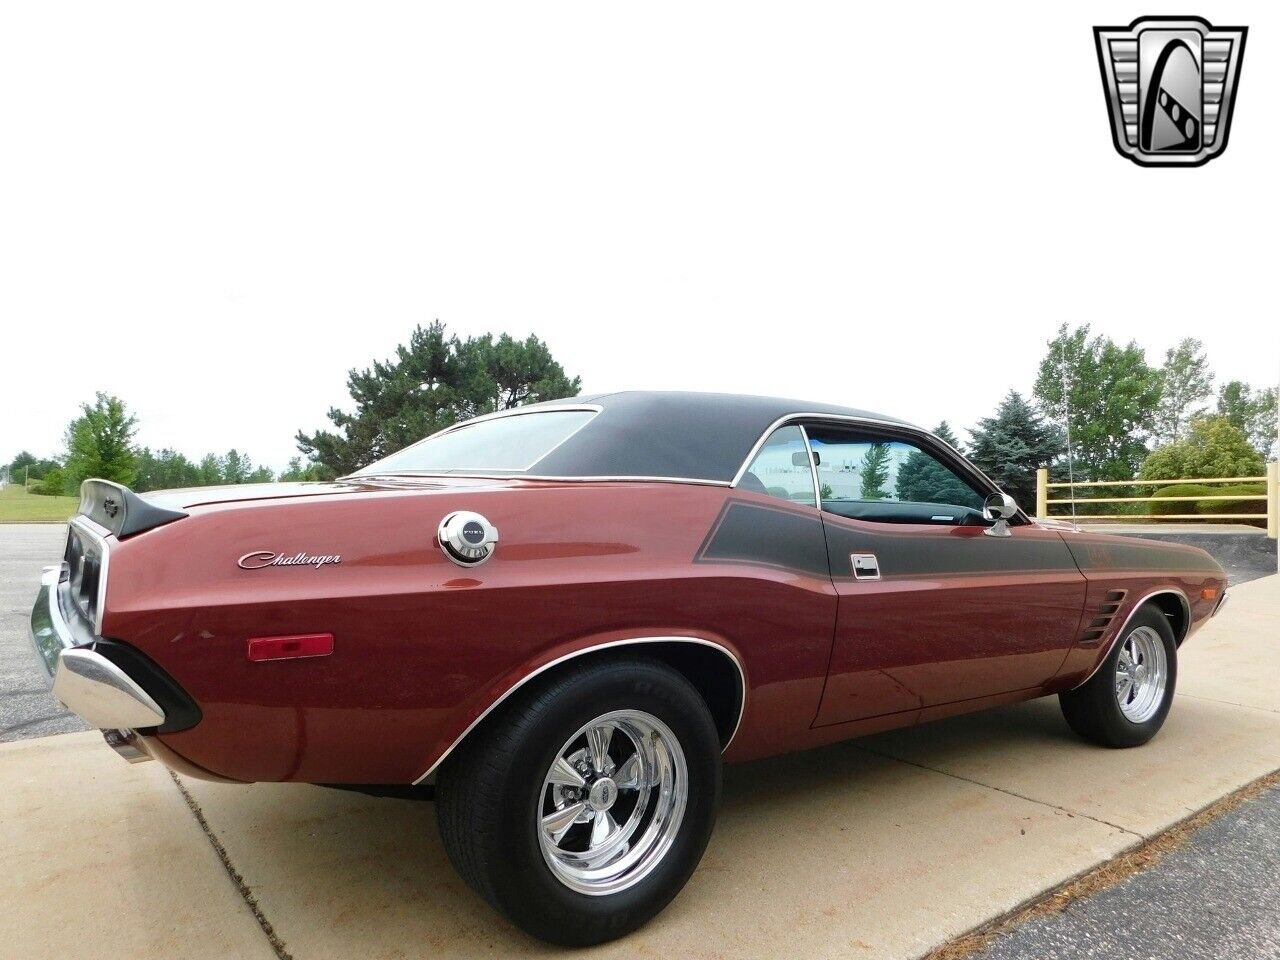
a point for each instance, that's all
(595, 648)
(1145, 599)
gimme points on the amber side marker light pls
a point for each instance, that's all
(1208, 593)
(287, 648)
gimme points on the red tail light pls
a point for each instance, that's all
(285, 648)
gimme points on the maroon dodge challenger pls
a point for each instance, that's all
(563, 618)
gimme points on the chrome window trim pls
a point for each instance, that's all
(1186, 606)
(839, 418)
(100, 536)
(514, 412)
(742, 679)
(813, 468)
(787, 418)
(531, 476)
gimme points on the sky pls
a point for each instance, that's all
(215, 211)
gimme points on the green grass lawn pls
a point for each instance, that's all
(18, 506)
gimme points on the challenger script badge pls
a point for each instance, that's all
(261, 559)
(1170, 84)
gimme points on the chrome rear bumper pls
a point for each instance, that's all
(85, 682)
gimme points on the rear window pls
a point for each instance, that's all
(511, 444)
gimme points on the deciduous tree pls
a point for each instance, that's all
(100, 442)
(1108, 393)
(210, 470)
(164, 470)
(27, 466)
(1214, 447)
(297, 471)
(1252, 412)
(1185, 384)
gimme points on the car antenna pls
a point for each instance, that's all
(1066, 416)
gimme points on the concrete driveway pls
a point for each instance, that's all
(882, 847)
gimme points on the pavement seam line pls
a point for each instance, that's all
(1228, 703)
(1108, 873)
(277, 945)
(1010, 793)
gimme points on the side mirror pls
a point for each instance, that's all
(999, 508)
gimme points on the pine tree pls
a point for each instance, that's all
(431, 383)
(875, 472)
(922, 479)
(944, 432)
(1013, 444)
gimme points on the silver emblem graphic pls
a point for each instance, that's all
(261, 559)
(1170, 84)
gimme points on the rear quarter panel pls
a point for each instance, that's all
(423, 646)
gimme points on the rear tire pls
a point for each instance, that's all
(579, 809)
(1125, 703)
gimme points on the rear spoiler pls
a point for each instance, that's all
(121, 510)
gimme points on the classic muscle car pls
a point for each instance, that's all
(564, 617)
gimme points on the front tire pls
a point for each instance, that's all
(580, 809)
(1125, 703)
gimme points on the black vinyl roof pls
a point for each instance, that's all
(694, 436)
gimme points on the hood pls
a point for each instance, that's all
(1057, 523)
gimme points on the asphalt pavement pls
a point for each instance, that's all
(26, 708)
(1216, 896)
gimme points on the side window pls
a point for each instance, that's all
(781, 468)
(869, 477)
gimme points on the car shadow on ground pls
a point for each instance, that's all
(339, 873)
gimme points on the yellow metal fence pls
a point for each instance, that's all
(1272, 498)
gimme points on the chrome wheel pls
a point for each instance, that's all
(612, 802)
(1142, 673)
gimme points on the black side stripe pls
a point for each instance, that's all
(941, 552)
(1115, 557)
(765, 536)
(759, 535)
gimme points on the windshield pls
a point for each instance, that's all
(511, 444)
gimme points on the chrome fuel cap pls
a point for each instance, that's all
(467, 538)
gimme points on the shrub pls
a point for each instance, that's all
(1235, 506)
(1209, 507)
(1180, 490)
(52, 484)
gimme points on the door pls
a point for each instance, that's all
(932, 609)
